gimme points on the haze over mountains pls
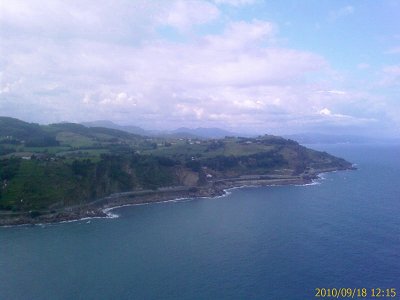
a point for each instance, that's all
(203, 132)
(183, 132)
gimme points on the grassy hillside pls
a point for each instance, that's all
(43, 168)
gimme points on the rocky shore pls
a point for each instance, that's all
(101, 208)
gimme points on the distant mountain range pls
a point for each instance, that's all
(216, 133)
(183, 132)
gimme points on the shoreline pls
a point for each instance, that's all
(101, 208)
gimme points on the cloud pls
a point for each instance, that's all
(61, 20)
(184, 14)
(239, 34)
(342, 120)
(342, 12)
(80, 61)
(221, 77)
(325, 112)
(334, 92)
(249, 104)
(236, 3)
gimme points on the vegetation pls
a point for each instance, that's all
(43, 168)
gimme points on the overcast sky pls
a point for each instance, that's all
(244, 65)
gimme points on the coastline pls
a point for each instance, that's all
(101, 208)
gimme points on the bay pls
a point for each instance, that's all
(278, 242)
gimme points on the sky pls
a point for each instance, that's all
(249, 66)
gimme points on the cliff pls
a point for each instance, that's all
(64, 168)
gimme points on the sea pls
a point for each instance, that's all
(276, 242)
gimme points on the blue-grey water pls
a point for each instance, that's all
(256, 243)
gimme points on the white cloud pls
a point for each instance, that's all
(334, 92)
(238, 34)
(341, 12)
(328, 113)
(235, 2)
(342, 120)
(203, 80)
(249, 104)
(325, 112)
(90, 60)
(120, 99)
(101, 20)
(183, 14)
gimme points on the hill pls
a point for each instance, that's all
(214, 133)
(109, 124)
(183, 132)
(66, 170)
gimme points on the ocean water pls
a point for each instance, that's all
(278, 242)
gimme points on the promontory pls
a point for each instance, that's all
(66, 171)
